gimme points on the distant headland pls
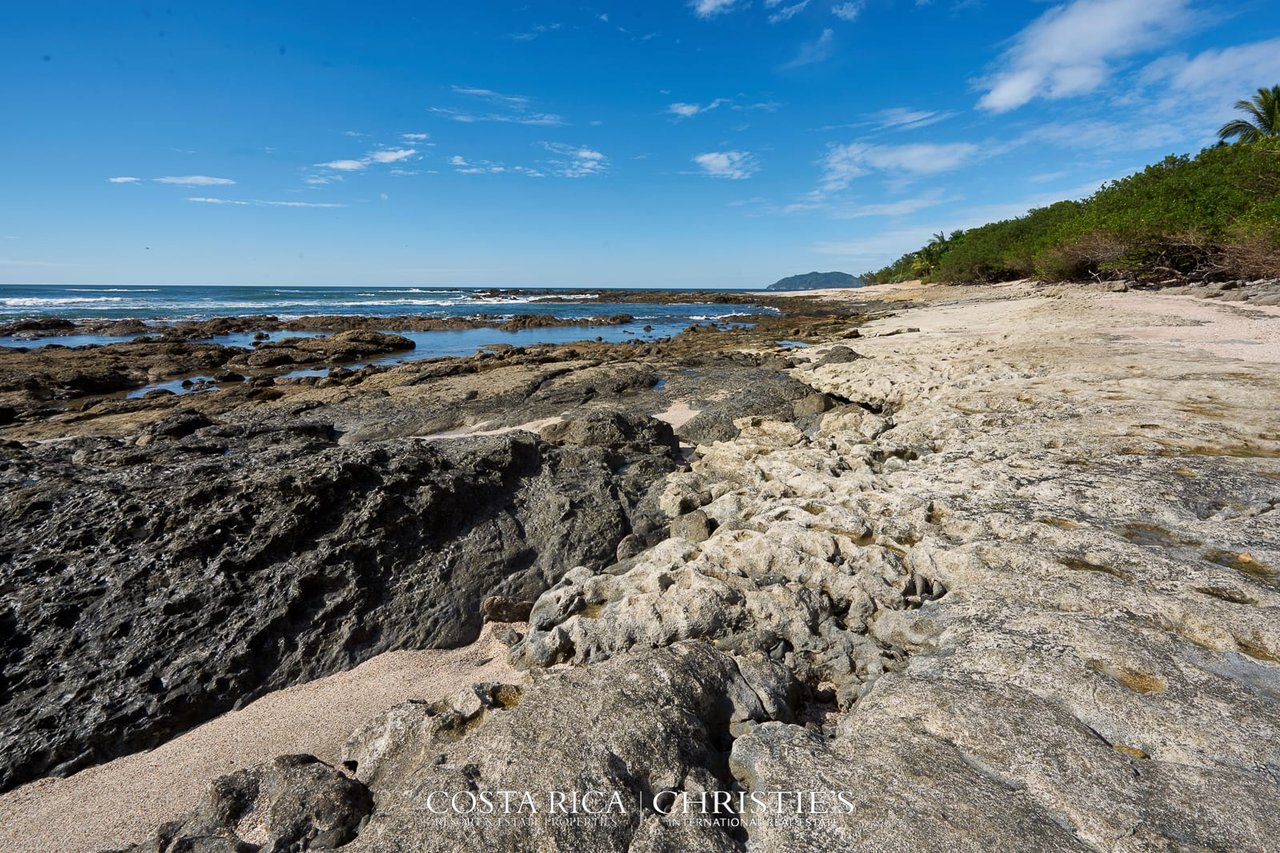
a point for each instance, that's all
(816, 281)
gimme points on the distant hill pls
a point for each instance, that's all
(816, 280)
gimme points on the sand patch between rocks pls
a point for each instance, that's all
(125, 800)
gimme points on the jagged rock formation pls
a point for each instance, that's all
(154, 584)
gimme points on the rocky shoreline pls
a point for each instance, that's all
(1001, 564)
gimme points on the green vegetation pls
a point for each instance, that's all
(1215, 215)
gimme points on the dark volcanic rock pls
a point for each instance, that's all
(37, 327)
(770, 393)
(332, 349)
(57, 372)
(150, 588)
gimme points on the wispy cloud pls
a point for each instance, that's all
(1213, 78)
(1071, 49)
(415, 137)
(813, 52)
(463, 166)
(711, 8)
(844, 163)
(536, 119)
(902, 118)
(734, 165)
(195, 181)
(848, 11)
(682, 110)
(391, 155)
(786, 13)
(576, 161)
(515, 102)
(378, 156)
(260, 203)
(511, 109)
(345, 165)
(535, 31)
(124, 179)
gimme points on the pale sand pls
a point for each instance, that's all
(677, 414)
(125, 800)
(1225, 329)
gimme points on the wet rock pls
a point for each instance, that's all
(331, 349)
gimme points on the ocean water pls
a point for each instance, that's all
(168, 302)
(160, 303)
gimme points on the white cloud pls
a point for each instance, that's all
(786, 13)
(391, 155)
(690, 110)
(124, 179)
(1071, 49)
(577, 161)
(902, 207)
(487, 167)
(535, 119)
(379, 156)
(515, 102)
(902, 118)
(1215, 78)
(195, 181)
(711, 8)
(514, 109)
(536, 31)
(848, 11)
(415, 137)
(734, 165)
(260, 203)
(844, 163)
(345, 165)
(818, 50)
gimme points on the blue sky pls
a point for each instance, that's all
(714, 143)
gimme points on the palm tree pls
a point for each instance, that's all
(1263, 110)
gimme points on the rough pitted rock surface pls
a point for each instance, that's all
(658, 724)
(152, 585)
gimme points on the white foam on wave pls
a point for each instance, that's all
(113, 290)
(49, 302)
